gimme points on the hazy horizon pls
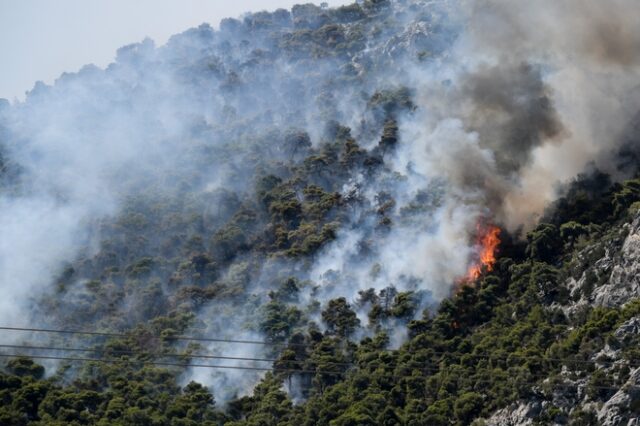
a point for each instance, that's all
(42, 39)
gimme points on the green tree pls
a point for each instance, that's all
(339, 317)
(468, 406)
(25, 367)
(544, 243)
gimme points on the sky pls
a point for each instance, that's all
(41, 39)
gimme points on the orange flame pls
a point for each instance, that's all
(488, 241)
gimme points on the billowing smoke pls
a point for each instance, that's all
(526, 98)
(583, 95)
(511, 110)
(462, 111)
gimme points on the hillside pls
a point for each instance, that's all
(393, 212)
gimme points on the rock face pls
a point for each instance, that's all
(623, 408)
(418, 38)
(624, 282)
(628, 329)
(516, 415)
(609, 276)
(611, 272)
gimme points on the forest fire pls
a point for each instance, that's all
(488, 239)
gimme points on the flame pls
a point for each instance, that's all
(488, 242)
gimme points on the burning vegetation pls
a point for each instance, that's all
(488, 240)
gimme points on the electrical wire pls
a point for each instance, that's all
(167, 364)
(158, 354)
(178, 337)
(434, 368)
(301, 345)
(293, 371)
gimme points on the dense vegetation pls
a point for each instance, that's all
(179, 260)
(492, 343)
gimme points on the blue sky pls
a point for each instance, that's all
(41, 39)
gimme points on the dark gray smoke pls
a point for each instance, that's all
(512, 111)
(545, 88)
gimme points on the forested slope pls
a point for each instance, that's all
(286, 220)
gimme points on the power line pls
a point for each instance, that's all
(432, 368)
(168, 364)
(158, 354)
(541, 358)
(178, 337)
(293, 371)
(486, 356)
